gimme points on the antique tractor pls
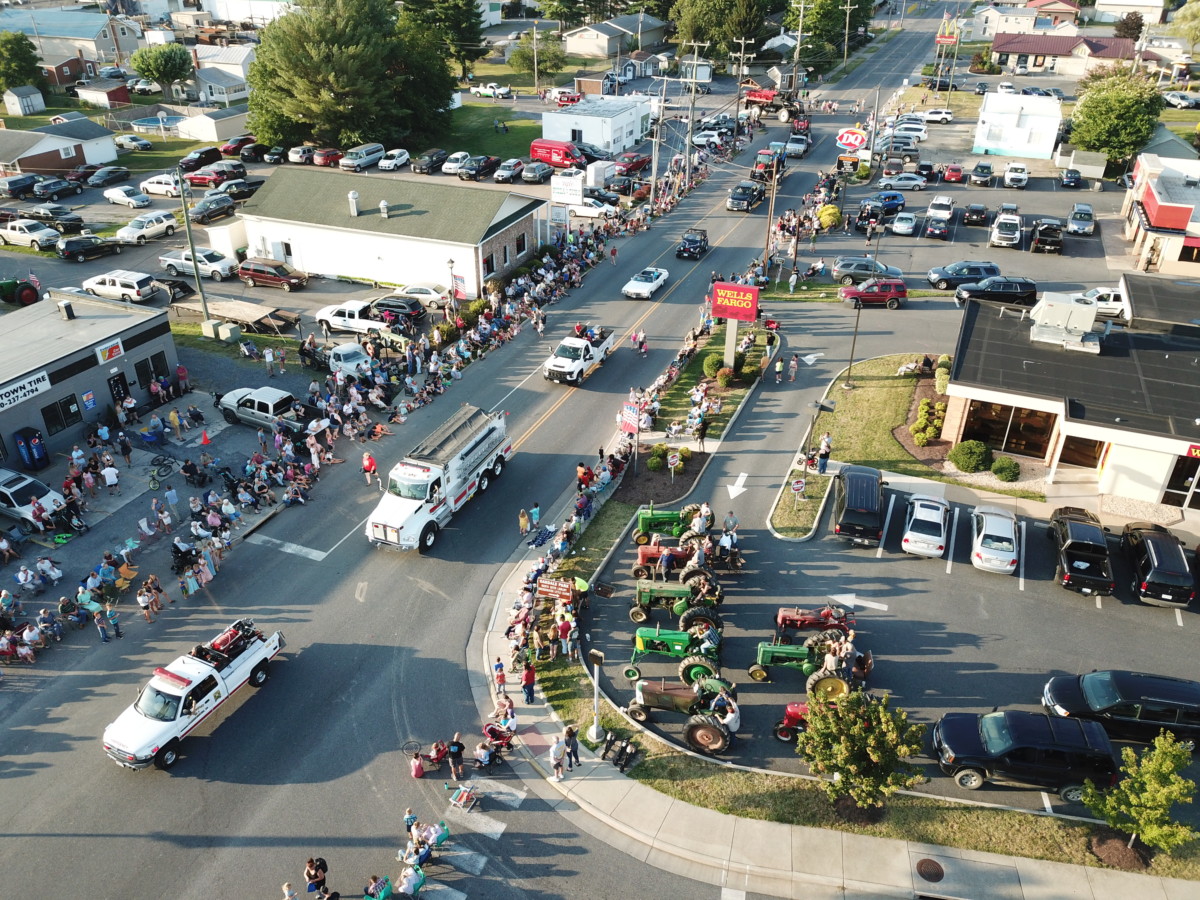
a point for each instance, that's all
(794, 721)
(703, 731)
(679, 599)
(672, 522)
(827, 683)
(696, 660)
(828, 618)
(22, 293)
(649, 554)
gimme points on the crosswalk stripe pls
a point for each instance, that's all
(731, 894)
(475, 821)
(464, 860)
(501, 792)
(439, 890)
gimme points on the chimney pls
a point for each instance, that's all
(195, 58)
(353, 198)
(66, 310)
(383, 208)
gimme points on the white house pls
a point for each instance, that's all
(55, 149)
(1017, 125)
(1111, 10)
(62, 33)
(25, 100)
(1162, 216)
(611, 123)
(92, 140)
(215, 125)
(604, 39)
(392, 232)
(221, 77)
(992, 20)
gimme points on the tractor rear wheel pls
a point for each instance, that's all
(640, 571)
(783, 638)
(693, 571)
(641, 538)
(706, 734)
(688, 513)
(821, 639)
(698, 615)
(785, 732)
(638, 713)
(758, 673)
(690, 537)
(825, 685)
(693, 668)
(638, 614)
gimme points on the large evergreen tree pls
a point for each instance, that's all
(343, 72)
(19, 62)
(460, 26)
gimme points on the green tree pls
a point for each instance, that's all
(460, 25)
(1129, 26)
(19, 62)
(865, 744)
(424, 82)
(1186, 24)
(1140, 804)
(551, 58)
(1117, 112)
(746, 20)
(567, 13)
(702, 20)
(166, 64)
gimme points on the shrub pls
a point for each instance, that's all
(751, 374)
(660, 450)
(940, 407)
(916, 428)
(924, 407)
(656, 464)
(971, 456)
(941, 381)
(685, 453)
(937, 423)
(640, 194)
(725, 377)
(933, 433)
(679, 468)
(1006, 468)
(712, 362)
(944, 362)
(921, 438)
(923, 421)
(739, 361)
(448, 332)
(863, 174)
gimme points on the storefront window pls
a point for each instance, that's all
(1010, 429)
(1181, 486)
(61, 415)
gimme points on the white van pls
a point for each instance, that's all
(120, 284)
(362, 157)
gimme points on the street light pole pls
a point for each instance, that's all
(848, 384)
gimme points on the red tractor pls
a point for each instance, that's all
(828, 618)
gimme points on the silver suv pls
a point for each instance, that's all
(1082, 220)
(857, 269)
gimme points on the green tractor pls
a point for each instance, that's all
(703, 731)
(680, 599)
(19, 292)
(678, 524)
(696, 660)
(822, 683)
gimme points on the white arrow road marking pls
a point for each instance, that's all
(464, 860)
(736, 488)
(852, 600)
(436, 889)
(499, 792)
(287, 547)
(811, 358)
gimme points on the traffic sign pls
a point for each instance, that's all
(672, 460)
(851, 138)
(798, 486)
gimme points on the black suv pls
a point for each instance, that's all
(199, 158)
(1010, 290)
(939, 84)
(1025, 749)
(591, 152)
(429, 162)
(743, 196)
(858, 504)
(1047, 236)
(693, 245)
(1161, 576)
(1131, 706)
(57, 217)
(975, 214)
(84, 247)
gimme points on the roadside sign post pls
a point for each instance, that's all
(798, 493)
(672, 462)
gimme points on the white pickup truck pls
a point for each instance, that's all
(1016, 175)
(28, 233)
(182, 694)
(212, 264)
(576, 356)
(491, 89)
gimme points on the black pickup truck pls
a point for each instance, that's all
(1082, 545)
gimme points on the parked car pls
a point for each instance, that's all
(1006, 87)
(1129, 706)
(429, 162)
(253, 152)
(598, 193)
(1081, 546)
(121, 284)
(393, 160)
(1161, 574)
(126, 195)
(888, 201)
(916, 130)
(857, 269)
(110, 71)
(478, 167)
(53, 188)
(941, 207)
(508, 171)
(1109, 302)
(327, 156)
(927, 171)
(276, 155)
(57, 217)
(1082, 219)
(591, 152)
(630, 162)
(28, 233)
(962, 272)
(207, 177)
(16, 491)
(1023, 748)
(975, 214)
(1009, 290)
(937, 227)
(402, 307)
(1035, 92)
(167, 185)
(1046, 236)
(82, 173)
(83, 247)
(146, 227)
(894, 167)
(593, 209)
(211, 208)
(954, 174)
(1006, 231)
(145, 86)
(107, 176)
(454, 162)
(858, 504)
(302, 155)
(1056, 93)
(199, 158)
(926, 526)
(889, 292)
(709, 139)
(940, 84)
(995, 545)
(1178, 100)
(982, 174)
(235, 145)
(1070, 178)
(271, 273)
(942, 116)
(905, 223)
(132, 142)
(981, 88)
(536, 173)
(434, 296)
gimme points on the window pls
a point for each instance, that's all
(1012, 429)
(152, 367)
(1157, 712)
(522, 244)
(61, 415)
(123, 31)
(577, 134)
(91, 70)
(506, 254)
(66, 71)
(66, 152)
(489, 264)
(1189, 254)
(1002, 59)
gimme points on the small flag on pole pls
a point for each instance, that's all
(33, 279)
(459, 287)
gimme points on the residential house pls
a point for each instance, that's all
(215, 125)
(93, 140)
(640, 64)
(603, 39)
(221, 77)
(70, 70)
(1017, 125)
(1058, 11)
(1161, 216)
(54, 149)
(25, 100)
(1169, 145)
(1151, 11)
(388, 231)
(993, 20)
(64, 33)
(1062, 54)
(611, 123)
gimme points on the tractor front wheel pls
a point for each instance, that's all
(700, 615)
(640, 571)
(706, 734)
(641, 538)
(825, 685)
(633, 673)
(758, 673)
(693, 668)
(638, 614)
(785, 732)
(638, 713)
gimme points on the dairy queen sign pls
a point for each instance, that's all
(19, 391)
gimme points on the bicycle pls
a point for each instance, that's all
(160, 467)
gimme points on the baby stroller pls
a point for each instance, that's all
(500, 737)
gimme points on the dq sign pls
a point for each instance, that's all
(735, 301)
(851, 139)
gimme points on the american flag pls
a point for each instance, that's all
(33, 279)
(459, 287)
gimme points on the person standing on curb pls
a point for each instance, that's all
(269, 361)
(823, 453)
(793, 366)
(501, 680)
(558, 756)
(456, 748)
(528, 676)
(572, 743)
(792, 279)
(701, 431)
(779, 370)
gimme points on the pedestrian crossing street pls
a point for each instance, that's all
(493, 794)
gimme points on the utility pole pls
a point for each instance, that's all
(796, 53)
(191, 241)
(535, 68)
(687, 150)
(849, 8)
(741, 56)
(771, 212)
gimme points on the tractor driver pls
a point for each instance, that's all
(709, 639)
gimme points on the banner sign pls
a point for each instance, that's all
(735, 301)
(18, 391)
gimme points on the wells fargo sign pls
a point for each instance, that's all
(735, 301)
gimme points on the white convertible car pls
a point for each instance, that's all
(643, 285)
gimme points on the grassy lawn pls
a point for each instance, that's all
(1170, 114)
(794, 517)
(61, 105)
(819, 292)
(166, 153)
(500, 72)
(473, 129)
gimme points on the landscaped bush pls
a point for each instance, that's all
(933, 432)
(739, 361)
(971, 456)
(944, 362)
(725, 377)
(941, 381)
(921, 438)
(712, 362)
(448, 332)
(656, 464)
(1006, 468)
(940, 408)
(660, 450)
(751, 374)
(917, 427)
(922, 422)
(685, 453)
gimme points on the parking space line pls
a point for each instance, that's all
(950, 543)
(1046, 802)
(1179, 618)
(887, 520)
(731, 894)
(1098, 606)
(1021, 565)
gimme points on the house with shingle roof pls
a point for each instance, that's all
(604, 39)
(60, 34)
(1058, 11)
(1062, 54)
(365, 227)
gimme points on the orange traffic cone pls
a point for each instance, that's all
(204, 441)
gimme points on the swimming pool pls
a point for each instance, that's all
(155, 125)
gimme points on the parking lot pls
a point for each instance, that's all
(946, 637)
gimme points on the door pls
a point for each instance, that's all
(118, 387)
(200, 701)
